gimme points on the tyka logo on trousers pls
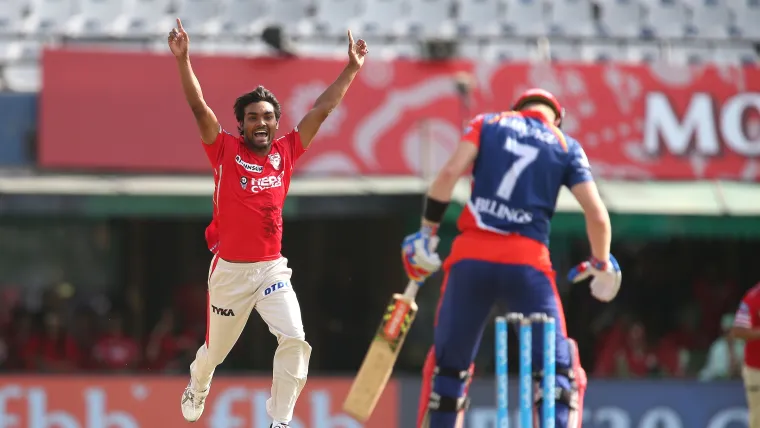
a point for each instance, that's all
(223, 312)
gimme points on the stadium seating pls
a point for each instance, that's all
(573, 18)
(380, 17)
(621, 18)
(526, 18)
(478, 18)
(678, 31)
(11, 17)
(331, 16)
(142, 18)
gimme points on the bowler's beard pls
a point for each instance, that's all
(258, 148)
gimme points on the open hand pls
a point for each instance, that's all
(356, 51)
(179, 41)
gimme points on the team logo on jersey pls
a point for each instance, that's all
(250, 167)
(275, 159)
(243, 182)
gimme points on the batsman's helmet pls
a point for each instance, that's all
(538, 95)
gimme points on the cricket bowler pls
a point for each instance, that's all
(252, 173)
(747, 327)
(520, 159)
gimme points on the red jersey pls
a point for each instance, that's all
(212, 230)
(748, 316)
(249, 195)
(212, 235)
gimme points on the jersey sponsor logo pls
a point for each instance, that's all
(501, 211)
(276, 286)
(243, 182)
(259, 185)
(275, 159)
(250, 167)
(222, 311)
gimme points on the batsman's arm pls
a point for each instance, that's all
(580, 181)
(208, 125)
(439, 195)
(598, 226)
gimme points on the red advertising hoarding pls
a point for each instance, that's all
(154, 402)
(126, 112)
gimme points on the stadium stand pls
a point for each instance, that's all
(675, 31)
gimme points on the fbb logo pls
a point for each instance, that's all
(28, 407)
(91, 402)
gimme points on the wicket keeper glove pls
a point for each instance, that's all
(606, 277)
(419, 256)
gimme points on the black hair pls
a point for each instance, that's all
(259, 94)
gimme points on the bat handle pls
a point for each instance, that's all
(411, 290)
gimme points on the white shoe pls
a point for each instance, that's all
(193, 402)
(279, 426)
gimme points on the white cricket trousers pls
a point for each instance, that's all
(752, 389)
(234, 289)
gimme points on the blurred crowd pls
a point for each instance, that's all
(669, 320)
(673, 314)
(65, 335)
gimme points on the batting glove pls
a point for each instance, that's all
(419, 256)
(606, 277)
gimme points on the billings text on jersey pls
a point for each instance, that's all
(522, 129)
(501, 211)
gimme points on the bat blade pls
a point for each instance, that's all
(377, 367)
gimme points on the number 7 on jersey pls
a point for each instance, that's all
(526, 155)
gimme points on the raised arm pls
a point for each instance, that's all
(208, 125)
(332, 96)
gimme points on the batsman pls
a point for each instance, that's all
(520, 159)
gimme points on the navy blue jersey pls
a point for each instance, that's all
(522, 163)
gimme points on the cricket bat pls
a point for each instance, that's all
(378, 363)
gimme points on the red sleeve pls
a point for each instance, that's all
(212, 235)
(472, 131)
(215, 150)
(295, 146)
(748, 306)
